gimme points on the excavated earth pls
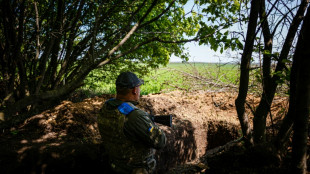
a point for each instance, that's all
(65, 138)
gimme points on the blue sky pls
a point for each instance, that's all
(202, 53)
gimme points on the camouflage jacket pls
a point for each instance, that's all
(129, 136)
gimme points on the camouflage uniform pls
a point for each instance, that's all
(129, 137)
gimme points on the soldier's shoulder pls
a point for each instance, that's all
(139, 111)
(113, 102)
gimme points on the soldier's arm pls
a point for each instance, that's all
(140, 127)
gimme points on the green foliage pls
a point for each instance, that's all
(258, 76)
(55, 44)
(59, 45)
(102, 80)
(14, 132)
(215, 31)
(284, 76)
(165, 31)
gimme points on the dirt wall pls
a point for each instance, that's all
(66, 138)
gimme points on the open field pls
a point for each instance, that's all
(180, 76)
(191, 77)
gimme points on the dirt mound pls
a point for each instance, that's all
(66, 137)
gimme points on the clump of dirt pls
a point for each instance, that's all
(66, 137)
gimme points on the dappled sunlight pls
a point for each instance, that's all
(2, 116)
(68, 133)
(23, 149)
(46, 137)
(23, 141)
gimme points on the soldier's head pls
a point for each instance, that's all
(128, 86)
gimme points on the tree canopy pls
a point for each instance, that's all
(49, 47)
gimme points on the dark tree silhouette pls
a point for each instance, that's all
(301, 64)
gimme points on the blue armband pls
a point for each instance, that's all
(125, 108)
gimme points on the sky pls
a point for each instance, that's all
(202, 53)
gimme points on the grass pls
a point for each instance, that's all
(182, 76)
(190, 76)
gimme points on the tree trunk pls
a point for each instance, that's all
(287, 124)
(259, 122)
(44, 96)
(270, 84)
(244, 74)
(301, 116)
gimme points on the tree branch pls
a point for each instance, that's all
(54, 41)
(160, 15)
(127, 36)
(37, 31)
(69, 47)
(18, 56)
(290, 37)
(244, 74)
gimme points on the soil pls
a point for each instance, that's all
(65, 138)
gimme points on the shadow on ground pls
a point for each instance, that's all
(65, 139)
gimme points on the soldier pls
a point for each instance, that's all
(128, 133)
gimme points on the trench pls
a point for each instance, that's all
(188, 145)
(183, 147)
